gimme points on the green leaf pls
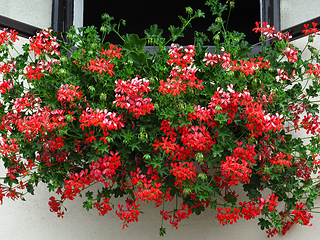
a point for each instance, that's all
(139, 59)
(199, 210)
(216, 150)
(162, 231)
(184, 21)
(200, 13)
(214, 28)
(89, 195)
(134, 43)
(214, 204)
(264, 224)
(231, 199)
(176, 32)
(30, 188)
(153, 32)
(88, 204)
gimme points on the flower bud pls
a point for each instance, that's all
(217, 37)
(91, 88)
(230, 73)
(156, 106)
(199, 157)
(203, 176)
(94, 45)
(103, 29)
(186, 191)
(219, 20)
(151, 81)
(62, 72)
(103, 96)
(189, 10)
(63, 59)
(105, 16)
(311, 38)
(218, 107)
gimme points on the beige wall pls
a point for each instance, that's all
(32, 219)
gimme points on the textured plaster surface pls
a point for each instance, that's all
(33, 12)
(293, 12)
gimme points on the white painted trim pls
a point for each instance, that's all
(78, 13)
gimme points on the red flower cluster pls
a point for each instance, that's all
(223, 60)
(8, 37)
(315, 71)
(247, 67)
(291, 53)
(269, 31)
(104, 168)
(44, 120)
(45, 43)
(68, 93)
(101, 65)
(111, 52)
(130, 214)
(8, 66)
(270, 202)
(103, 207)
(312, 30)
(106, 120)
(237, 166)
(55, 206)
(6, 86)
(130, 95)
(311, 123)
(33, 72)
(283, 75)
(265, 29)
(250, 66)
(289, 218)
(183, 171)
(183, 73)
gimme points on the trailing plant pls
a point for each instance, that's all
(177, 123)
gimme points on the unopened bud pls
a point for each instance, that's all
(203, 176)
(186, 191)
(103, 29)
(103, 96)
(216, 37)
(94, 45)
(199, 157)
(189, 10)
(91, 88)
(62, 72)
(219, 20)
(156, 106)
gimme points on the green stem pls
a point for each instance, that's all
(228, 18)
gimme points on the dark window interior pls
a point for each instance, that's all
(141, 14)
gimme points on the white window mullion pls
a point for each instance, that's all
(78, 13)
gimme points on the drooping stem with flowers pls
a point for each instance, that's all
(184, 125)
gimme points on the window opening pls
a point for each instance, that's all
(140, 15)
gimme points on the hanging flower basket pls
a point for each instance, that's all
(181, 123)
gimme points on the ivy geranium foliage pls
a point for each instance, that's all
(179, 124)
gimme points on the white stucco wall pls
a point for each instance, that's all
(294, 12)
(33, 12)
(33, 220)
